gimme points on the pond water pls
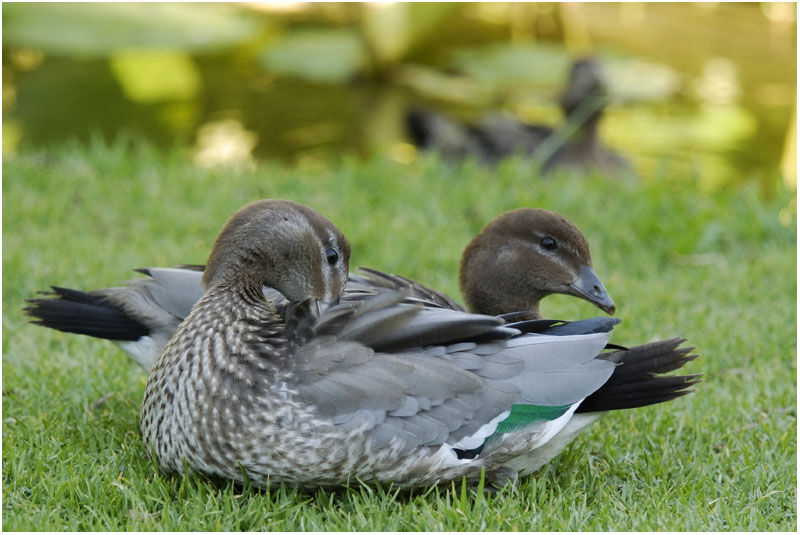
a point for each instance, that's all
(705, 93)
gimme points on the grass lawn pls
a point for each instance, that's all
(718, 269)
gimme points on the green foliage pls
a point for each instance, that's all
(98, 29)
(718, 270)
(515, 63)
(320, 55)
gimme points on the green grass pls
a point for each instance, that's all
(717, 269)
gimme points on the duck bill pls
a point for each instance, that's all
(588, 286)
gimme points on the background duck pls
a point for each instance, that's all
(574, 144)
(240, 392)
(518, 259)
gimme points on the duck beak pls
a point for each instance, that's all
(587, 286)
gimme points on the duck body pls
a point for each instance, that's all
(493, 138)
(572, 145)
(233, 397)
(396, 382)
(380, 388)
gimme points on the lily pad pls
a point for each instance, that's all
(151, 76)
(320, 55)
(515, 63)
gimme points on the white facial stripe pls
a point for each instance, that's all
(557, 259)
(562, 245)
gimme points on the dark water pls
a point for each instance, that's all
(706, 97)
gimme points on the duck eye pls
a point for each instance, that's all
(332, 255)
(549, 243)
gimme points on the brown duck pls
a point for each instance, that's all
(516, 440)
(375, 388)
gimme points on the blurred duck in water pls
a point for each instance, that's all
(573, 145)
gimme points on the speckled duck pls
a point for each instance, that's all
(533, 237)
(374, 389)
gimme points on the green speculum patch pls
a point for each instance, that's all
(522, 415)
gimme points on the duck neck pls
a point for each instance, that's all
(248, 294)
(240, 303)
(585, 136)
(243, 313)
(584, 117)
(495, 304)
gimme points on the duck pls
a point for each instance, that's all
(636, 379)
(573, 145)
(378, 389)
(519, 258)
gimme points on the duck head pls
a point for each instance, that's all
(524, 255)
(586, 81)
(284, 245)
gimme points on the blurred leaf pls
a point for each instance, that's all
(98, 29)
(321, 55)
(392, 29)
(514, 63)
(152, 76)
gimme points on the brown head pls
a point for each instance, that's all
(524, 255)
(586, 81)
(284, 245)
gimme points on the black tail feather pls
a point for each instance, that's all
(636, 381)
(74, 311)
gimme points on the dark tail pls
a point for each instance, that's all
(636, 381)
(92, 314)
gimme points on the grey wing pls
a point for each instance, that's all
(174, 290)
(391, 321)
(412, 399)
(370, 281)
(440, 394)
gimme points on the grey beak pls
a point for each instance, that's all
(587, 286)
